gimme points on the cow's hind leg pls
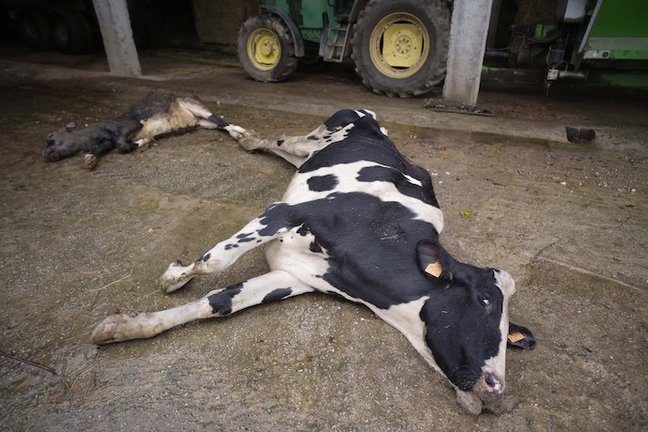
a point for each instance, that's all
(298, 149)
(273, 286)
(204, 117)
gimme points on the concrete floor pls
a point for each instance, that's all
(568, 221)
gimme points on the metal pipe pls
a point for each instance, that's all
(590, 24)
(570, 74)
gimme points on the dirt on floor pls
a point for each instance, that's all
(569, 222)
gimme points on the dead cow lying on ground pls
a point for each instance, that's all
(360, 221)
(156, 114)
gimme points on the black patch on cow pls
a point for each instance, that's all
(312, 138)
(322, 183)
(315, 248)
(303, 230)
(276, 295)
(230, 246)
(245, 237)
(206, 257)
(279, 142)
(221, 302)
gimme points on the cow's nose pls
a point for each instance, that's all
(493, 383)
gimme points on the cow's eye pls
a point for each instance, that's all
(485, 301)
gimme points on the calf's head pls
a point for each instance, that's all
(66, 142)
(466, 325)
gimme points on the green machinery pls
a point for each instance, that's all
(399, 47)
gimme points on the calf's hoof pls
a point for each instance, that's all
(89, 161)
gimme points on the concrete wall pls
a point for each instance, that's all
(218, 22)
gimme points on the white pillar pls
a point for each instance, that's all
(117, 35)
(468, 34)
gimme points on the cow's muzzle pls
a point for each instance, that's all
(492, 384)
(488, 395)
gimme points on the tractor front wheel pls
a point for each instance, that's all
(265, 49)
(400, 47)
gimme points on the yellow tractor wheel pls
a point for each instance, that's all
(400, 47)
(266, 49)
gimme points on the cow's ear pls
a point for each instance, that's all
(433, 260)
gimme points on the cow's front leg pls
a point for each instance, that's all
(273, 286)
(220, 256)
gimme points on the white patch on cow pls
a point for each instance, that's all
(364, 112)
(291, 253)
(298, 191)
(340, 134)
(406, 319)
(497, 364)
(384, 131)
(413, 180)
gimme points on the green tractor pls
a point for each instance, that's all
(398, 47)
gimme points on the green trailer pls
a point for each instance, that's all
(399, 47)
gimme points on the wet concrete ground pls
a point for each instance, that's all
(568, 221)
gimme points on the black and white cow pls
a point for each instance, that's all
(155, 115)
(360, 221)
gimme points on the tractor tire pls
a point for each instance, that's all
(70, 30)
(265, 49)
(34, 30)
(400, 47)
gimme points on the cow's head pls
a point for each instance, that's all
(466, 320)
(65, 142)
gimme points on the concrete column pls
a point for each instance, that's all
(117, 35)
(468, 35)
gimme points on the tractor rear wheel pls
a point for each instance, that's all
(265, 49)
(400, 47)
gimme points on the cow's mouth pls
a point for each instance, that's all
(487, 395)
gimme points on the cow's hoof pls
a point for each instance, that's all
(112, 329)
(174, 277)
(250, 140)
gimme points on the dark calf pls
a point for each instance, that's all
(155, 115)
